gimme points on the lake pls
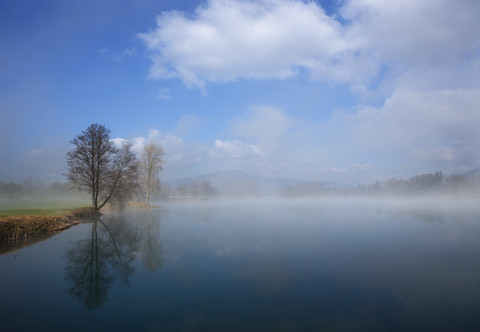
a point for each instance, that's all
(266, 265)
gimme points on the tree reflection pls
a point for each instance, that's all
(151, 251)
(96, 263)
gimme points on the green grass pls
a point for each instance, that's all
(39, 207)
(34, 212)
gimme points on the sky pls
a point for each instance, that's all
(349, 91)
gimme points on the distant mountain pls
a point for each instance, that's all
(220, 179)
(337, 185)
(474, 173)
(240, 183)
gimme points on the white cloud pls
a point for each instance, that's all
(223, 41)
(429, 55)
(415, 32)
(441, 153)
(174, 146)
(414, 131)
(180, 157)
(168, 142)
(118, 141)
(138, 143)
(236, 149)
(461, 74)
(186, 125)
(417, 118)
(262, 123)
(227, 40)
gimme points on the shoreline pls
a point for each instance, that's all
(19, 227)
(20, 231)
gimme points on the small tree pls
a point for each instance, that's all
(150, 165)
(96, 166)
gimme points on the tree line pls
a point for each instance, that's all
(425, 183)
(419, 184)
(29, 187)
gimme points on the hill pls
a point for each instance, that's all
(474, 173)
(239, 183)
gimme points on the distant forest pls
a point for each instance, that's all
(29, 187)
(426, 183)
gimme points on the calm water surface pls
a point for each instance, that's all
(253, 265)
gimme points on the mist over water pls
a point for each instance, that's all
(283, 264)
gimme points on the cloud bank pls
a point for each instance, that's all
(228, 40)
(420, 61)
(224, 41)
(414, 65)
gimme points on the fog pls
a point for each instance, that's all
(240, 184)
(36, 194)
(427, 187)
(436, 209)
(406, 246)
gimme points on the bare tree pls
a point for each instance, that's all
(96, 166)
(151, 164)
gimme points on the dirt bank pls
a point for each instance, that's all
(15, 228)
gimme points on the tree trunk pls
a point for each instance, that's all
(94, 202)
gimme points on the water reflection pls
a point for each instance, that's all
(107, 256)
(289, 265)
(151, 250)
(431, 212)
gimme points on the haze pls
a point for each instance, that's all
(345, 91)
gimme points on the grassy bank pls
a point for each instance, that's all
(53, 212)
(20, 224)
(53, 206)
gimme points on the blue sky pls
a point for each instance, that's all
(350, 91)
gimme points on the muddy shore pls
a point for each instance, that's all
(18, 230)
